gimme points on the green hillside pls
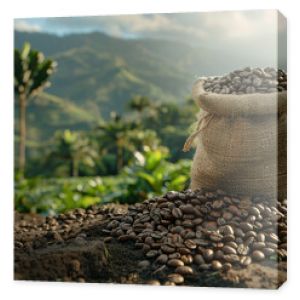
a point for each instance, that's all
(97, 69)
(101, 73)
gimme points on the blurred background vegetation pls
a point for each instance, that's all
(109, 129)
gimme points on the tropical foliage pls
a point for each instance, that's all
(78, 159)
(147, 175)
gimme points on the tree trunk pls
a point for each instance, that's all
(74, 167)
(22, 129)
(119, 158)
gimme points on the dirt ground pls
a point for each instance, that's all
(81, 255)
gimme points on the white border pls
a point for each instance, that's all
(34, 290)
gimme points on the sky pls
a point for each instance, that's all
(253, 32)
(207, 28)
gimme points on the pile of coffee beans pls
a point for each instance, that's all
(248, 81)
(182, 233)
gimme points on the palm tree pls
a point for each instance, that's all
(139, 103)
(123, 138)
(113, 137)
(31, 75)
(75, 149)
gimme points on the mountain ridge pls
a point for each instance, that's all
(98, 73)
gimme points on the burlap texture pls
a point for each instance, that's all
(241, 146)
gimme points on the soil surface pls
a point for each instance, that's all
(80, 251)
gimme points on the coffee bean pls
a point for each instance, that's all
(175, 263)
(156, 235)
(229, 250)
(219, 254)
(260, 237)
(221, 221)
(227, 266)
(232, 244)
(228, 238)
(177, 229)
(245, 260)
(272, 237)
(144, 264)
(227, 216)
(245, 226)
(198, 259)
(251, 219)
(187, 223)
(152, 253)
(187, 259)
(175, 278)
(184, 251)
(250, 233)
(169, 283)
(162, 259)
(216, 265)
(208, 254)
(254, 211)
(107, 239)
(175, 255)
(215, 237)
(214, 214)
(239, 232)
(271, 245)
(153, 282)
(268, 251)
(188, 209)
(172, 195)
(177, 213)
(156, 246)
(258, 225)
(198, 234)
(149, 240)
(228, 230)
(242, 249)
(210, 225)
(184, 270)
(146, 248)
(190, 244)
(80, 241)
(189, 235)
(258, 245)
(197, 221)
(232, 258)
(204, 267)
(217, 204)
(282, 253)
(234, 210)
(249, 241)
(167, 249)
(258, 255)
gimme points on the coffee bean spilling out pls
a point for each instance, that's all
(248, 81)
(184, 232)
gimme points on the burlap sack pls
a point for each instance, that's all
(241, 143)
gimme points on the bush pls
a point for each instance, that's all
(148, 174)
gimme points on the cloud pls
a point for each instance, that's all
(24, 25)
(210, 28)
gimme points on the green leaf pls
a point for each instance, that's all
(153, 159)
(25, 51)
(150, 179)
